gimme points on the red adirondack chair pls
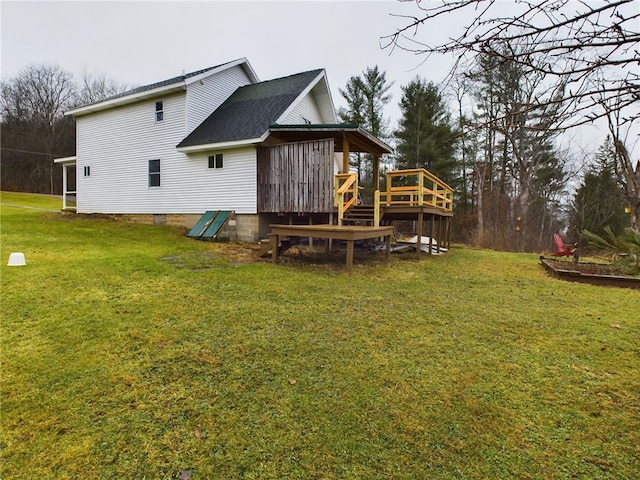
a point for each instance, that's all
(563, 249)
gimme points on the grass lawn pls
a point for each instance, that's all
(130, 351)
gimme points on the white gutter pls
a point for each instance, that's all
(66, 160)
(220, 145)
(134, 97)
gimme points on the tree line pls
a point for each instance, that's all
(492, 130)
(519, 84)
(34, 128)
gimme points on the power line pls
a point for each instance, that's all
(33, 153)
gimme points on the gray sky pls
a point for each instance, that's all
(144, 42)
(147, 41)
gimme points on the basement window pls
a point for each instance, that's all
(159, 111)
(154, 173)
(215, 161)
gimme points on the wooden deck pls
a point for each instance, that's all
(438, 221)
(349, 233)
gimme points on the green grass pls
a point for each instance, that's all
(130, 351)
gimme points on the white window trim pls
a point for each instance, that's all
(215, 161)
(156, 112)
(150, 173)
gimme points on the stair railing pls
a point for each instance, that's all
(376, 208)
(345, 192)
(417, 187)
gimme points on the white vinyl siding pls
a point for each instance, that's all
(324, 103)
(206, 95)
(233, 187)
(315, 106)
(307, 109)
(118, 144)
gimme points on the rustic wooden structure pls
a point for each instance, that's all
(331, 232)
(297, 178)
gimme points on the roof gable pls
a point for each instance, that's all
(160, 88)
(249, 111)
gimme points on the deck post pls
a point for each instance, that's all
(328, 245)
(387, 252)
(345, 154)
(431, 235)
(376, 172)
(349, 254)
(420, 228)
(65, 173)
(275, 241)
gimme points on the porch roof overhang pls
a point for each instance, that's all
(66, 160)
(353, 136)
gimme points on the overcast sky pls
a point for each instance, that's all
(144, 42)
(147, 41)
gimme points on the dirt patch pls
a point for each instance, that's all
(593, 273)
(591, 268)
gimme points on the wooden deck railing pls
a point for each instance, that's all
(345, 192)
(416, 187)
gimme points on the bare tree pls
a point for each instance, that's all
(32, 106)
(34, 128)
(592, 47)
(627, 174)
(590, 51)
(97, 87)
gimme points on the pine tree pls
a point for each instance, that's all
(366, 96)
(425, 136)
(599, 201)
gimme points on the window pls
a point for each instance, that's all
(154, 173)
(215, 161)
(159, 111)
(87, 171)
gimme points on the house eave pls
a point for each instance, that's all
(135, 97)
(219, 145)
(302, 94)
(66, 160)
(360, 139)
(241, 61)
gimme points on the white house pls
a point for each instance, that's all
(169, 151)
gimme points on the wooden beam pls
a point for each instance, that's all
(420, 229)
(431, 231)
(376, 172)
(345, 154)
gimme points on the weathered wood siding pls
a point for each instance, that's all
(296, 178)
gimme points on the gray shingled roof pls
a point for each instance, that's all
(151, 86)
(249, 111)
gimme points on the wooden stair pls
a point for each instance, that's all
(285, 244)
(359, 215)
